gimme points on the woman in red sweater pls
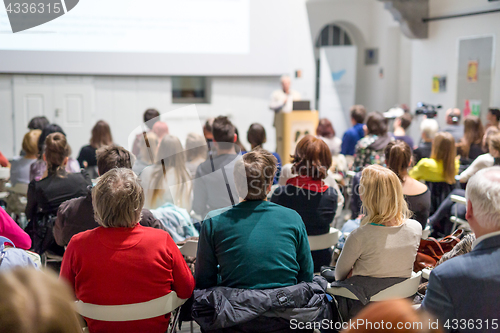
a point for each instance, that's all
(122, 262)
(10, 229)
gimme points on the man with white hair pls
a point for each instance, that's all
(282, 99)
(428, 129)
(464, 292)
(453, 117)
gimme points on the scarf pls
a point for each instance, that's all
(308, 183)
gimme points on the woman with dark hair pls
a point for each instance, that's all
(39, 168)
(38, 123)
(307, 193)
(417, 195)
(469, 148)
(325, 132)
(45, 196)
(101, 136)
(370, 149)
(256, 135)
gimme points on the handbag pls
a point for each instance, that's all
(431, 250)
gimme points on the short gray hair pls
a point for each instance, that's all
(118, 199)
(483, 191)
(430, 127)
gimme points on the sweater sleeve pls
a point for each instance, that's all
(304, 257)
(9, 229)
(206, 260)
(348, 257)
(183, 278)
(478, 164)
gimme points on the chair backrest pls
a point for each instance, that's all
(190, 248)
(439, 192)
(325, 241)
(128, 312)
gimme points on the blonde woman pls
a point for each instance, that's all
(386, 243)
(442, 166)
(148, 145)
(168, 180)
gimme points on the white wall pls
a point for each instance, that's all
(438, 54)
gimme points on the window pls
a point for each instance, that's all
(190, 89)
(333, 35)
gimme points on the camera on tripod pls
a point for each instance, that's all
(427, 109)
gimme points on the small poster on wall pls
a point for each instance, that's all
(472, 69)
(438, 84)
(472, 107)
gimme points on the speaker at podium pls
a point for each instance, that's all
(291, 127)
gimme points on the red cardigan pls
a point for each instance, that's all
(115, 266)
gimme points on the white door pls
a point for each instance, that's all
(337, 86)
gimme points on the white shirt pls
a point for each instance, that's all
(481, 162)
(278, 100)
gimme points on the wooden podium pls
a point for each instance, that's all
(291, 127)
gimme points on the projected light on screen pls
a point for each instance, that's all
(145, 26)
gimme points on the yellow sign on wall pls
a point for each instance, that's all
(472, 70)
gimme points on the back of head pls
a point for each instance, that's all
(171, 152)
(443, 149)
(453, 116)
(160, 128)
(38, 123)
(406, 120)
(382, 209)
(49, 129)
(253, 174)
(430, 127)
(494, 141)
(495, 112)
(32, 301)
(473, 133)
(256, 135)
(149, 117)
(111, 157)
(325, 129)
(358, 113)
(148, 146)
(101, 135)
(312, 158)
(196, 147)
(385, 316)
(223, 130)
(30, 142)
(376, 124)
(118, 199)
(483, 191)
(56, 151)
(398, 158)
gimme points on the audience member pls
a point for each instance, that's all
(148, 147)
(77, 215)
(282, 99)
(469, 147)
(325, 132)
(493, 118)
(32, 301)
(38, 123)
(442, 166)
(207, 129)
(356, 132)
(256, 244)
(214, 181)
(466, 287)
(122, 262)
(487, 134)
(150, 117)
(370, 149)
(20, 166)
(453, 117)
(160, 128)
(486, 160)
(10, 229)
(307, 193)
(386, 234)
(395, 315)
(196, 152)
(38, 169)
(101, 136)
(416, 194)
(46, 195)
(429, 129)
(401, 124)
(168, 180)
(256, 135)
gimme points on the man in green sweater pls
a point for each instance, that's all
(256, 244)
